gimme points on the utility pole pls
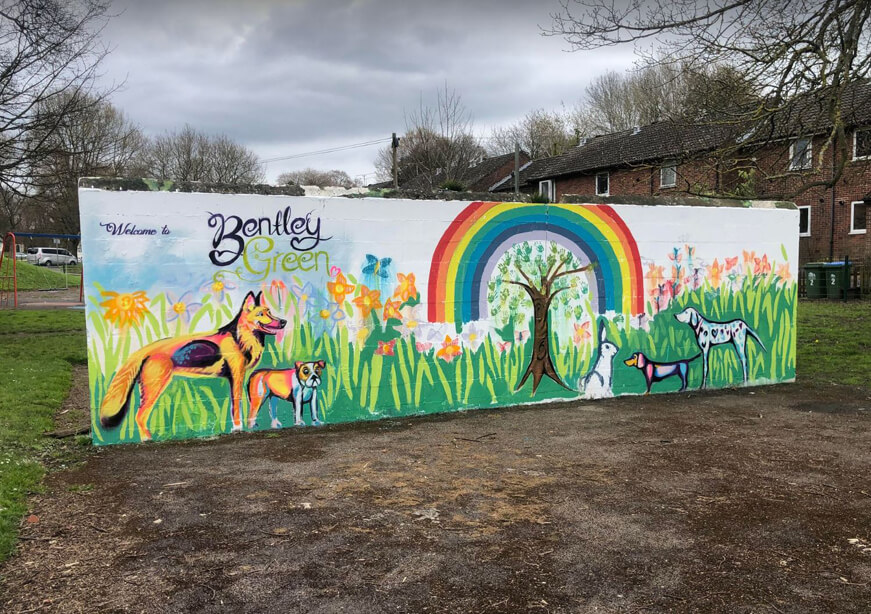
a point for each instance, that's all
(394, 145)
(516, 169)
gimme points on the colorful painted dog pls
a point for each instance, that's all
(230, 352)
(710, 333)
(658, 371)
(298, 385)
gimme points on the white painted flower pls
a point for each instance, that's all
(413, 321)
(474, 334)
(641, 322)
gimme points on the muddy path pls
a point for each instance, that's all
(749, 501)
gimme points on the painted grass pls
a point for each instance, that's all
(35, 369)
(834, 343)
(360, 384)
(31, 277)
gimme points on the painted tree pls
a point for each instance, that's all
(546, 270)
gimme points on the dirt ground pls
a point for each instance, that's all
(49, 299)
(740, 501)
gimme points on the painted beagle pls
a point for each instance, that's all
(709, 333)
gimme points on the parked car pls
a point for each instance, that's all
(50, 256)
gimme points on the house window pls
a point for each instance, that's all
(602, 187)
(804, 221)
(862, 144)
(857, 217)
(547, 188)
(800, 155)
(668, 174)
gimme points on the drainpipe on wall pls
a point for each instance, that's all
(832, 223)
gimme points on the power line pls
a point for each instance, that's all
(319, 152)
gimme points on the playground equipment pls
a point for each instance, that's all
(37, 278)
(8, 279)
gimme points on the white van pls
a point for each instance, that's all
(50, 256)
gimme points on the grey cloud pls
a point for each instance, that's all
(286, 73)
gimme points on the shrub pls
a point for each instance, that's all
(453, 185)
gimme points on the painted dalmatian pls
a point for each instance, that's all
(709, 333)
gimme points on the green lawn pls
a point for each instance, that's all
(834, 342)
(32, 277)
(38, 349)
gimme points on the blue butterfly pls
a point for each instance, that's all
(374, 266)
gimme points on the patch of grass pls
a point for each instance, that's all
(35, 373)
(834, 342)
(31, 277)
(48, 320)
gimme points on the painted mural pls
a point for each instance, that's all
(210, 314)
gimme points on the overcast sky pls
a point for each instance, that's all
(293, 76)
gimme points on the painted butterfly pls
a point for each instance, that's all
(376, 266)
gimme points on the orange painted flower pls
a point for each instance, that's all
(340, 288)
(582, 333)
(749, 257)
(761, 266)
(731, 263)
(450, 349)
(783, 271)
(386, 349)
(654, 277)
(125, 309)
(714, 272)
(406, 290)
(368, 300)
(391, 310)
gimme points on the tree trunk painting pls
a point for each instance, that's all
(541, 363)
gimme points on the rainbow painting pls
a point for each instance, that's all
(467, 253)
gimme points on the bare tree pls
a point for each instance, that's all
(664, 92)
(190, 155)
(49, 54)
(800, 53)
(322, 179)
(93, 138)
(438, 143)
(540, 133)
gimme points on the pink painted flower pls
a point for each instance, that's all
(386, 348)
(582, 333)
(761, 266)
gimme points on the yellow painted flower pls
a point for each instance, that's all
(124, 309)
(406, 290)
(340, 288)
(368, 300)
(783, 271)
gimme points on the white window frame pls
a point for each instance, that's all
(668, 164)
(856, 231)
(608, 177)
(808, 233)
(809, 155)
(550, 186)
(856, 143)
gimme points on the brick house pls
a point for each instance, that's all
(668, 157)
(479, 177)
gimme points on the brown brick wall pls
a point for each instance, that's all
(702, 176)
(642, 181)
(853, 186)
